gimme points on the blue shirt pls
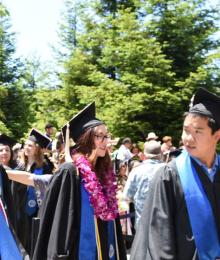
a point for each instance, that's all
(210, 172)
(137, 185)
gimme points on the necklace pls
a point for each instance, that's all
(102, 197)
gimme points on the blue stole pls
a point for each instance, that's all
(199, 209)
(87, 242)
(8, 246)
(31, 206)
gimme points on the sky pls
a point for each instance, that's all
(36, 24)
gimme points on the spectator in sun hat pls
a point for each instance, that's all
(183, 202)
(151, 136)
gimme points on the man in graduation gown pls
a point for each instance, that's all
(181, 216)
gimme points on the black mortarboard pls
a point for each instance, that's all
(175, 152)
(6, 140)
(84, 120)
(39, 138)
(207, 104)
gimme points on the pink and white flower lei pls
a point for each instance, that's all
(101, 197)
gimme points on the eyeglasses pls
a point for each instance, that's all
(103, 137)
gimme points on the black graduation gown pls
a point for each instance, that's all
(164, 231)
(7, 198)
(23, 226)
(9, 205)
(60, 220)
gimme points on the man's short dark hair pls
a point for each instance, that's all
(48, 125)
(211, 122)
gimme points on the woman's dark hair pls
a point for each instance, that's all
(211, 122)
(12, 163)
(85, 144)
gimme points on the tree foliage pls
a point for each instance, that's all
(183, 28)
(8, 64)
(14, 114)
(141, 71)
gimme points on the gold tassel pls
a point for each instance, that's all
(98, 243)
(67, 144)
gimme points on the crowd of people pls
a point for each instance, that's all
(79, 194)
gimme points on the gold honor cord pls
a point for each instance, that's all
(116, 241)
(97, 239)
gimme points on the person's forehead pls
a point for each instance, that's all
(29, 142)
(195, 121)
(4, 146)
(101, 129)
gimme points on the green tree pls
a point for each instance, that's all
(17, 116)
(184, 29)
(111, 7)
(3, 127)
(141, 71)
(37, 74)
(49, 106)
(139, 75)
(68, 30)
(8, 64)
(14, 114)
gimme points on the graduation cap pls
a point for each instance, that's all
(6, 140)
(175, 152)
(84, 120)
(207, 104)
(39, 138)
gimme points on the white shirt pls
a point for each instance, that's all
(124, 153)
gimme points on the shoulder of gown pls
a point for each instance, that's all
(154, 238)
(59, 214)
